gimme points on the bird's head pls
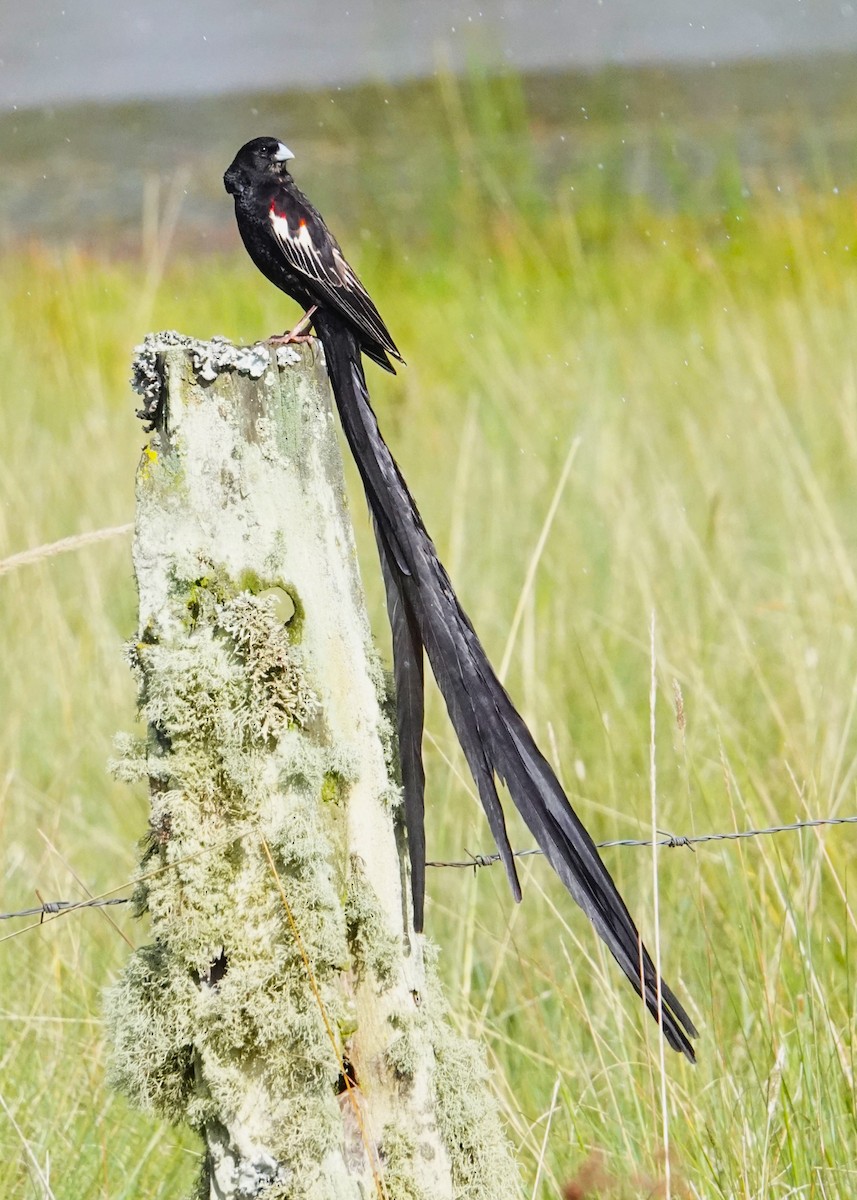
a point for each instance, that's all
(263, 156)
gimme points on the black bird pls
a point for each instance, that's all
(291, 245)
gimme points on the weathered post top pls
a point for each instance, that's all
(283, 1008)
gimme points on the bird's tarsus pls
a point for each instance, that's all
(297, 334)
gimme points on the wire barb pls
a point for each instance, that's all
(50, 908)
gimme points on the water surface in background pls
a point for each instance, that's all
(65, 51)
(395, 163)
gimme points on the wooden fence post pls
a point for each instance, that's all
(283, 1007)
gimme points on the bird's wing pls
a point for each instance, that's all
(311, 251)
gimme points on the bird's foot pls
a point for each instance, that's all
(289, 339)
(296, 335)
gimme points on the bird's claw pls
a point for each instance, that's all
(289, 339)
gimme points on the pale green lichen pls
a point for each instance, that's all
(151, 1014)
(468, 1121)
(375, 951)
(224, 995)
(406, 1050)
(398, 1151)
(482, 1164)
(130, 762)
(203, 595)
(277, 693)
(466, 1111)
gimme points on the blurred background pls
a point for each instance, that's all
(670, 101)
(615, 242)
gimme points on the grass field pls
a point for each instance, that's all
(702, 370)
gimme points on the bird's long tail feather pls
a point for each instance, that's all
(425, 612)
(409, 682)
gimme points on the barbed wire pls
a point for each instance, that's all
(51, 908)
(670, 841)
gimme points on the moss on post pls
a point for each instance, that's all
(284, 1007)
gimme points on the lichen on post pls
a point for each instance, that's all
(284, 1007)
